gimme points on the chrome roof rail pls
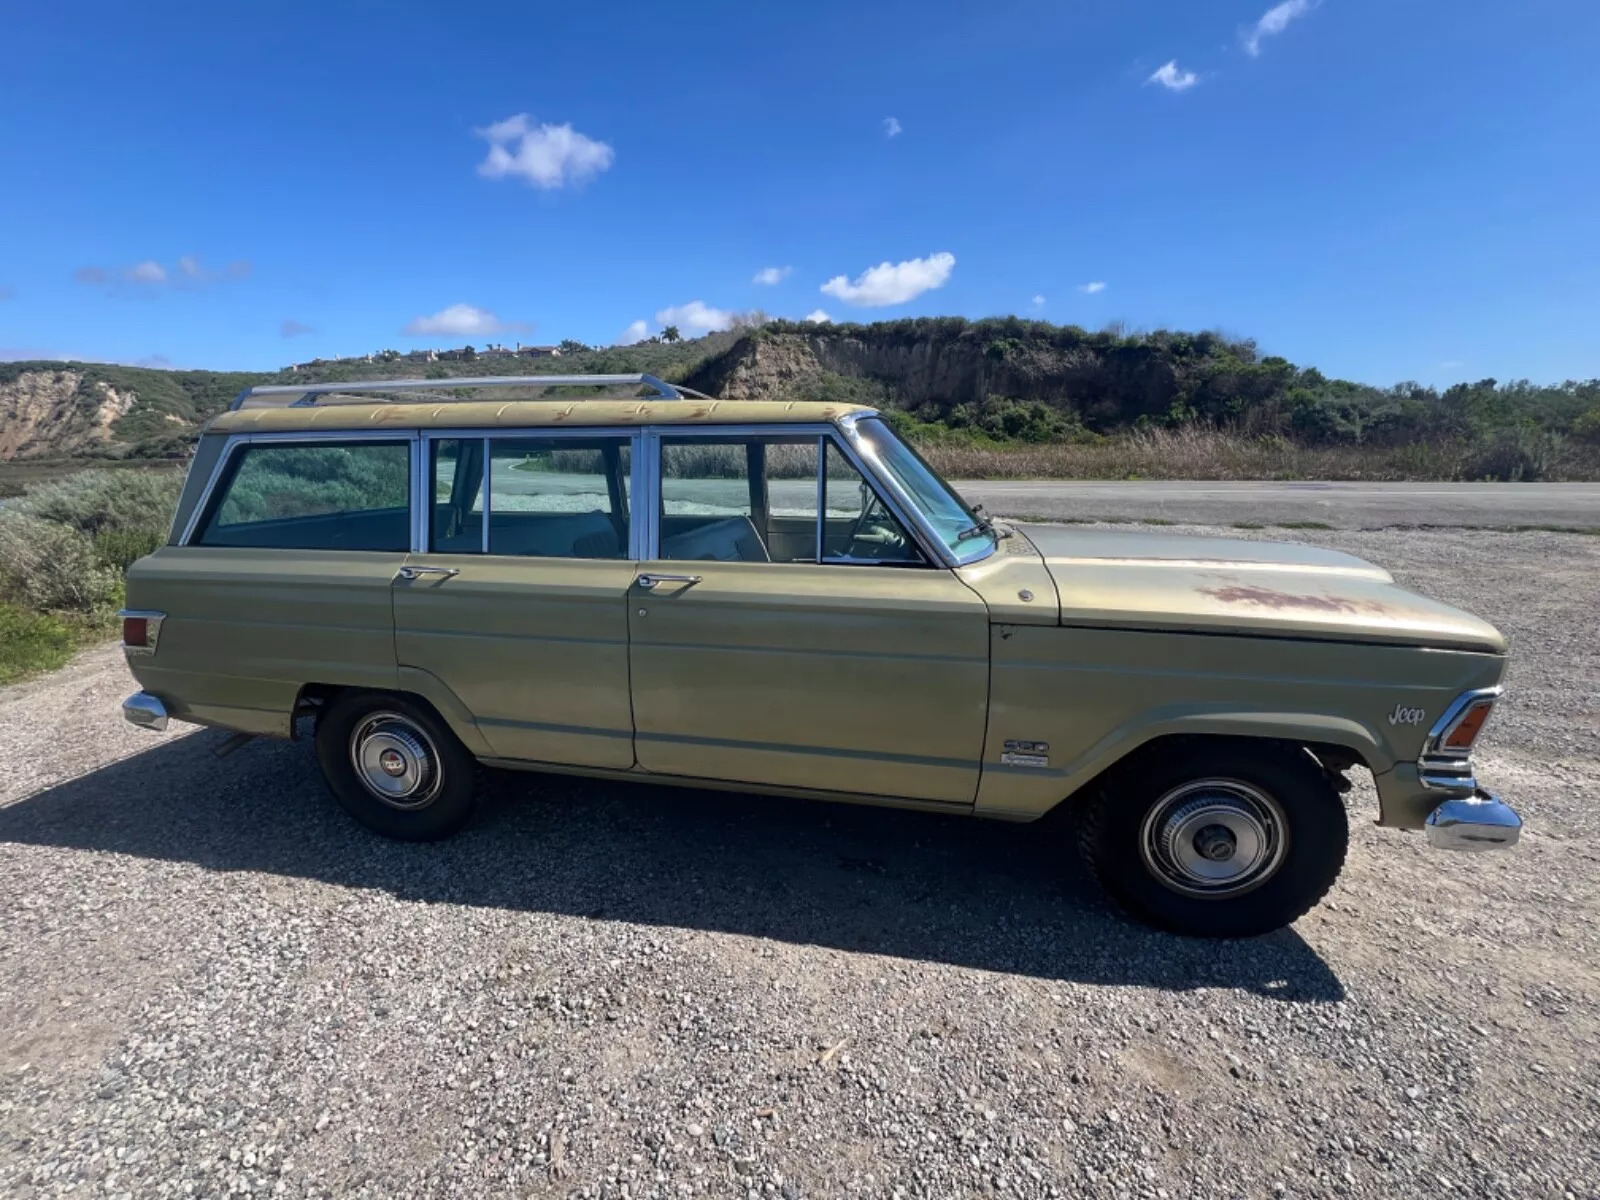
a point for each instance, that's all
(306, 393)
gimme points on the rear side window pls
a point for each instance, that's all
(321, 496)
(547, 497)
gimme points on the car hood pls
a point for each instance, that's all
(1217, 585)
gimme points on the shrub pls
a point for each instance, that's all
(31, 642)
(111, 499)
(53, 567)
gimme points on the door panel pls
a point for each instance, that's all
(536, 649)
(871, 680)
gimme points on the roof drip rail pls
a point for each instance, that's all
(305, 394)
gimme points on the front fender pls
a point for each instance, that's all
(1094, 696)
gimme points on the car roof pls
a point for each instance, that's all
(516, 414)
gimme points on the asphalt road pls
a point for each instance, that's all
(1338, 505)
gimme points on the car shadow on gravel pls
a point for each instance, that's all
(1009, 898)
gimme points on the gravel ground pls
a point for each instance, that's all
(212, 983)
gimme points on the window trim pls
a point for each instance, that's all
(238, 442)
(423, 516)
(823, 434)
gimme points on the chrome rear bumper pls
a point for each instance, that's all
(1476, 822)
(145, 711)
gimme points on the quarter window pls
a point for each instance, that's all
(321, 496)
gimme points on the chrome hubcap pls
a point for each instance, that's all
(395, 761)
(1214, 837)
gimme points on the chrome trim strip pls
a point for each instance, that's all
(822, 491)
(145, 711)
(307, 392)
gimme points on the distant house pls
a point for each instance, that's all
(496, 352)
(420, 356)
(538, 351)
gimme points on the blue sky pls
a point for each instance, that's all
(1386, 189)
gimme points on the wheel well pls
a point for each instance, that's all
(1334, 759)
(315, 698)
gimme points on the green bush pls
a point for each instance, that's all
(93, 502)
(31, 642)
(52, 567)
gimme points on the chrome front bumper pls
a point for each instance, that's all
(145, 711)
(1476, 822)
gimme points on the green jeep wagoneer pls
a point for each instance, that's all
(784, 598)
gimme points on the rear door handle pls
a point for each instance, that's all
(649, 581)
(419, 572)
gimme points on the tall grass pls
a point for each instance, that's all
(1194, 452)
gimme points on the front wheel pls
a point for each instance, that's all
(1217, 841)
(395, 767)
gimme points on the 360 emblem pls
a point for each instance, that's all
(1407, 716)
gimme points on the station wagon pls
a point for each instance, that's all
(617, 577)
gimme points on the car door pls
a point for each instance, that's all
(787, 631)
(518, 604)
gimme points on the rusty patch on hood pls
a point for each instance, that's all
(1262, 597)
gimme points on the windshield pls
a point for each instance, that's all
(966, 534)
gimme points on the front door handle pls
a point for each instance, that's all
(419, 572)
(649, 581)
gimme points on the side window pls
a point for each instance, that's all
(755, 500)
(856, 525)
(314, 496)
(456, 518)
(739, 499)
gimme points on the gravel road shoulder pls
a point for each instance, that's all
(211, 983)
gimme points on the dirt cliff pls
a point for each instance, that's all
(57, 413)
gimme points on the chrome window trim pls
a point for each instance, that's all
(633, 437)
(942, 552)
(927, 545)
(412, 437)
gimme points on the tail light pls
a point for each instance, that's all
(141, 629)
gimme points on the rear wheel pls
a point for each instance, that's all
(395, 767)
(1221, 840)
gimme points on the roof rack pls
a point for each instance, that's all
(306, 393)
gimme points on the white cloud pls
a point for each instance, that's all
(893, 283)
(1093, 287)
(698, 315)
(1274, 21)
(772, 275)
(461, 320)
(545, 156)
(148, 271)
(1173, 78)
(817, 317)
(1038, 301)
(635, 332)
(187, 274)
(891, 127)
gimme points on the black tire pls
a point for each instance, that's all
(1217, 839)
(388, 732)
